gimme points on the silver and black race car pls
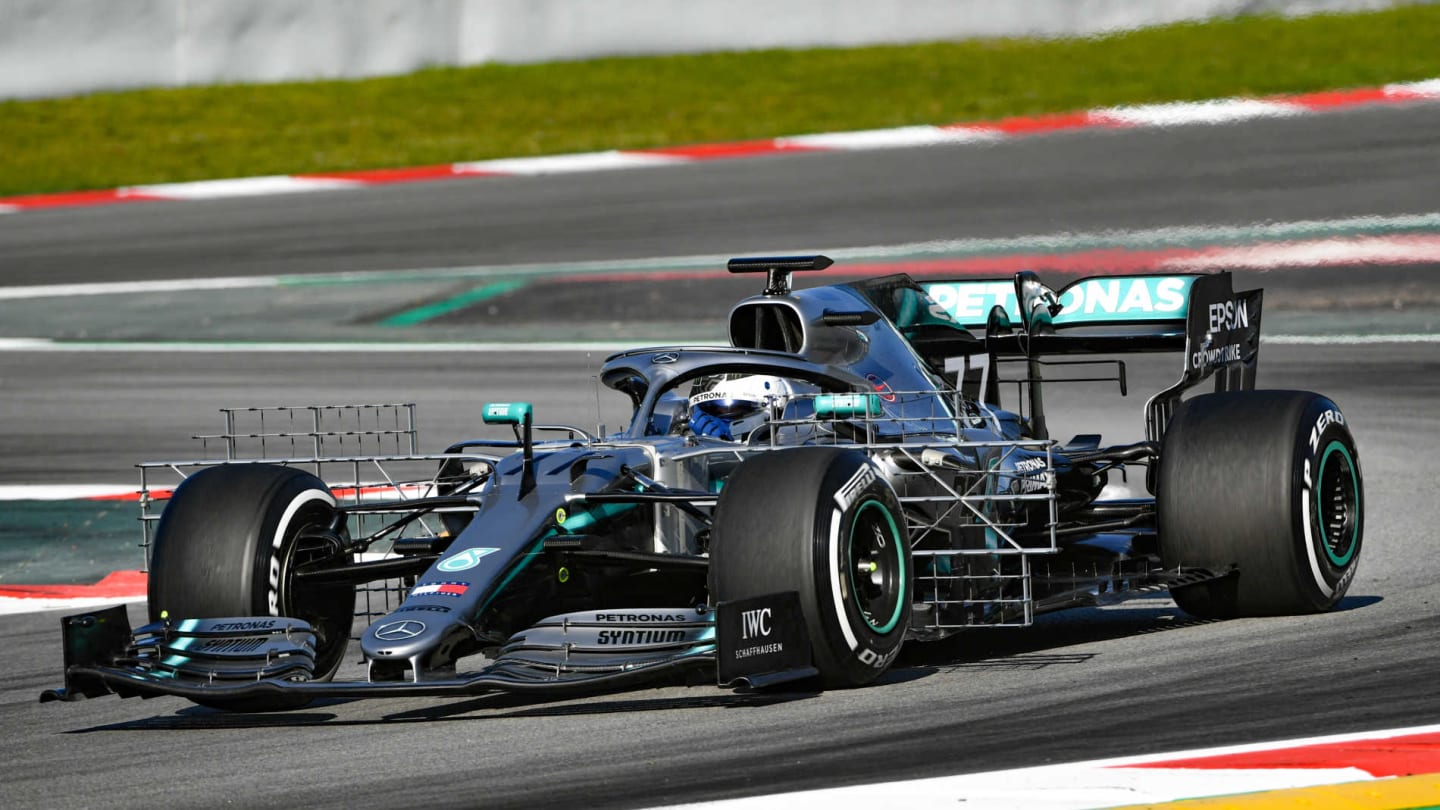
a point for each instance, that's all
(794, 506)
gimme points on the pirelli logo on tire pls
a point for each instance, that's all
(846, 495)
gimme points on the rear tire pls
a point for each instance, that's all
(822, 522)
(1267, 484)
(227, 545)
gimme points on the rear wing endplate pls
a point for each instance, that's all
(1222, 339)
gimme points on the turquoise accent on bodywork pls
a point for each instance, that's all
(909, 309)
(182, 643)
(706, 641)
(594, 514)
(1332, 447)
(841, 406)
(515, 570)
(1125, 299)
(506, 413)
(571, 524)
(1108, 299)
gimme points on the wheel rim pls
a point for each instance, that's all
(318, 606)
(1337, 504)
(877, 566)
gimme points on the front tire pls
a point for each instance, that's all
(228, 544)
(822, 522)
(1267, 484)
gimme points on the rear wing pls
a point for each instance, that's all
(1154, 306)
(1216, 328)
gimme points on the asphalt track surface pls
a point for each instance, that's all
(1134, 678)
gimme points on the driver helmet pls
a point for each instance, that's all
(744, 402)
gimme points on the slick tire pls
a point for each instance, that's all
(822, 522)
(228, 543)
(1267, 485)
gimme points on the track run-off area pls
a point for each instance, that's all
(126, 327)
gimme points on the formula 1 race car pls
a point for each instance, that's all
(794, 506)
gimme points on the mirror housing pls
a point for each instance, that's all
(1038, 304)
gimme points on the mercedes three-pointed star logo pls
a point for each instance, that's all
(399, 631)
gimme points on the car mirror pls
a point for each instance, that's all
(1038, 304)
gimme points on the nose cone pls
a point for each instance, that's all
(404, 636)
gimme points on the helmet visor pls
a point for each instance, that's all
(726, 407)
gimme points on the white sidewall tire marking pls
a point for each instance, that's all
(836, 594)
(1315, 571)
(295, 506)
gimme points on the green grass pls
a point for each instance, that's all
(455, 114)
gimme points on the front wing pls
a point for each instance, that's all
(239, 659)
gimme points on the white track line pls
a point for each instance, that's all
(568, 164)
(10, 606)
(1224, 111)
(890, 138)
(241, 187)
(1080, 785)
(1326, 233)
(137, 287)
(64, 492)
